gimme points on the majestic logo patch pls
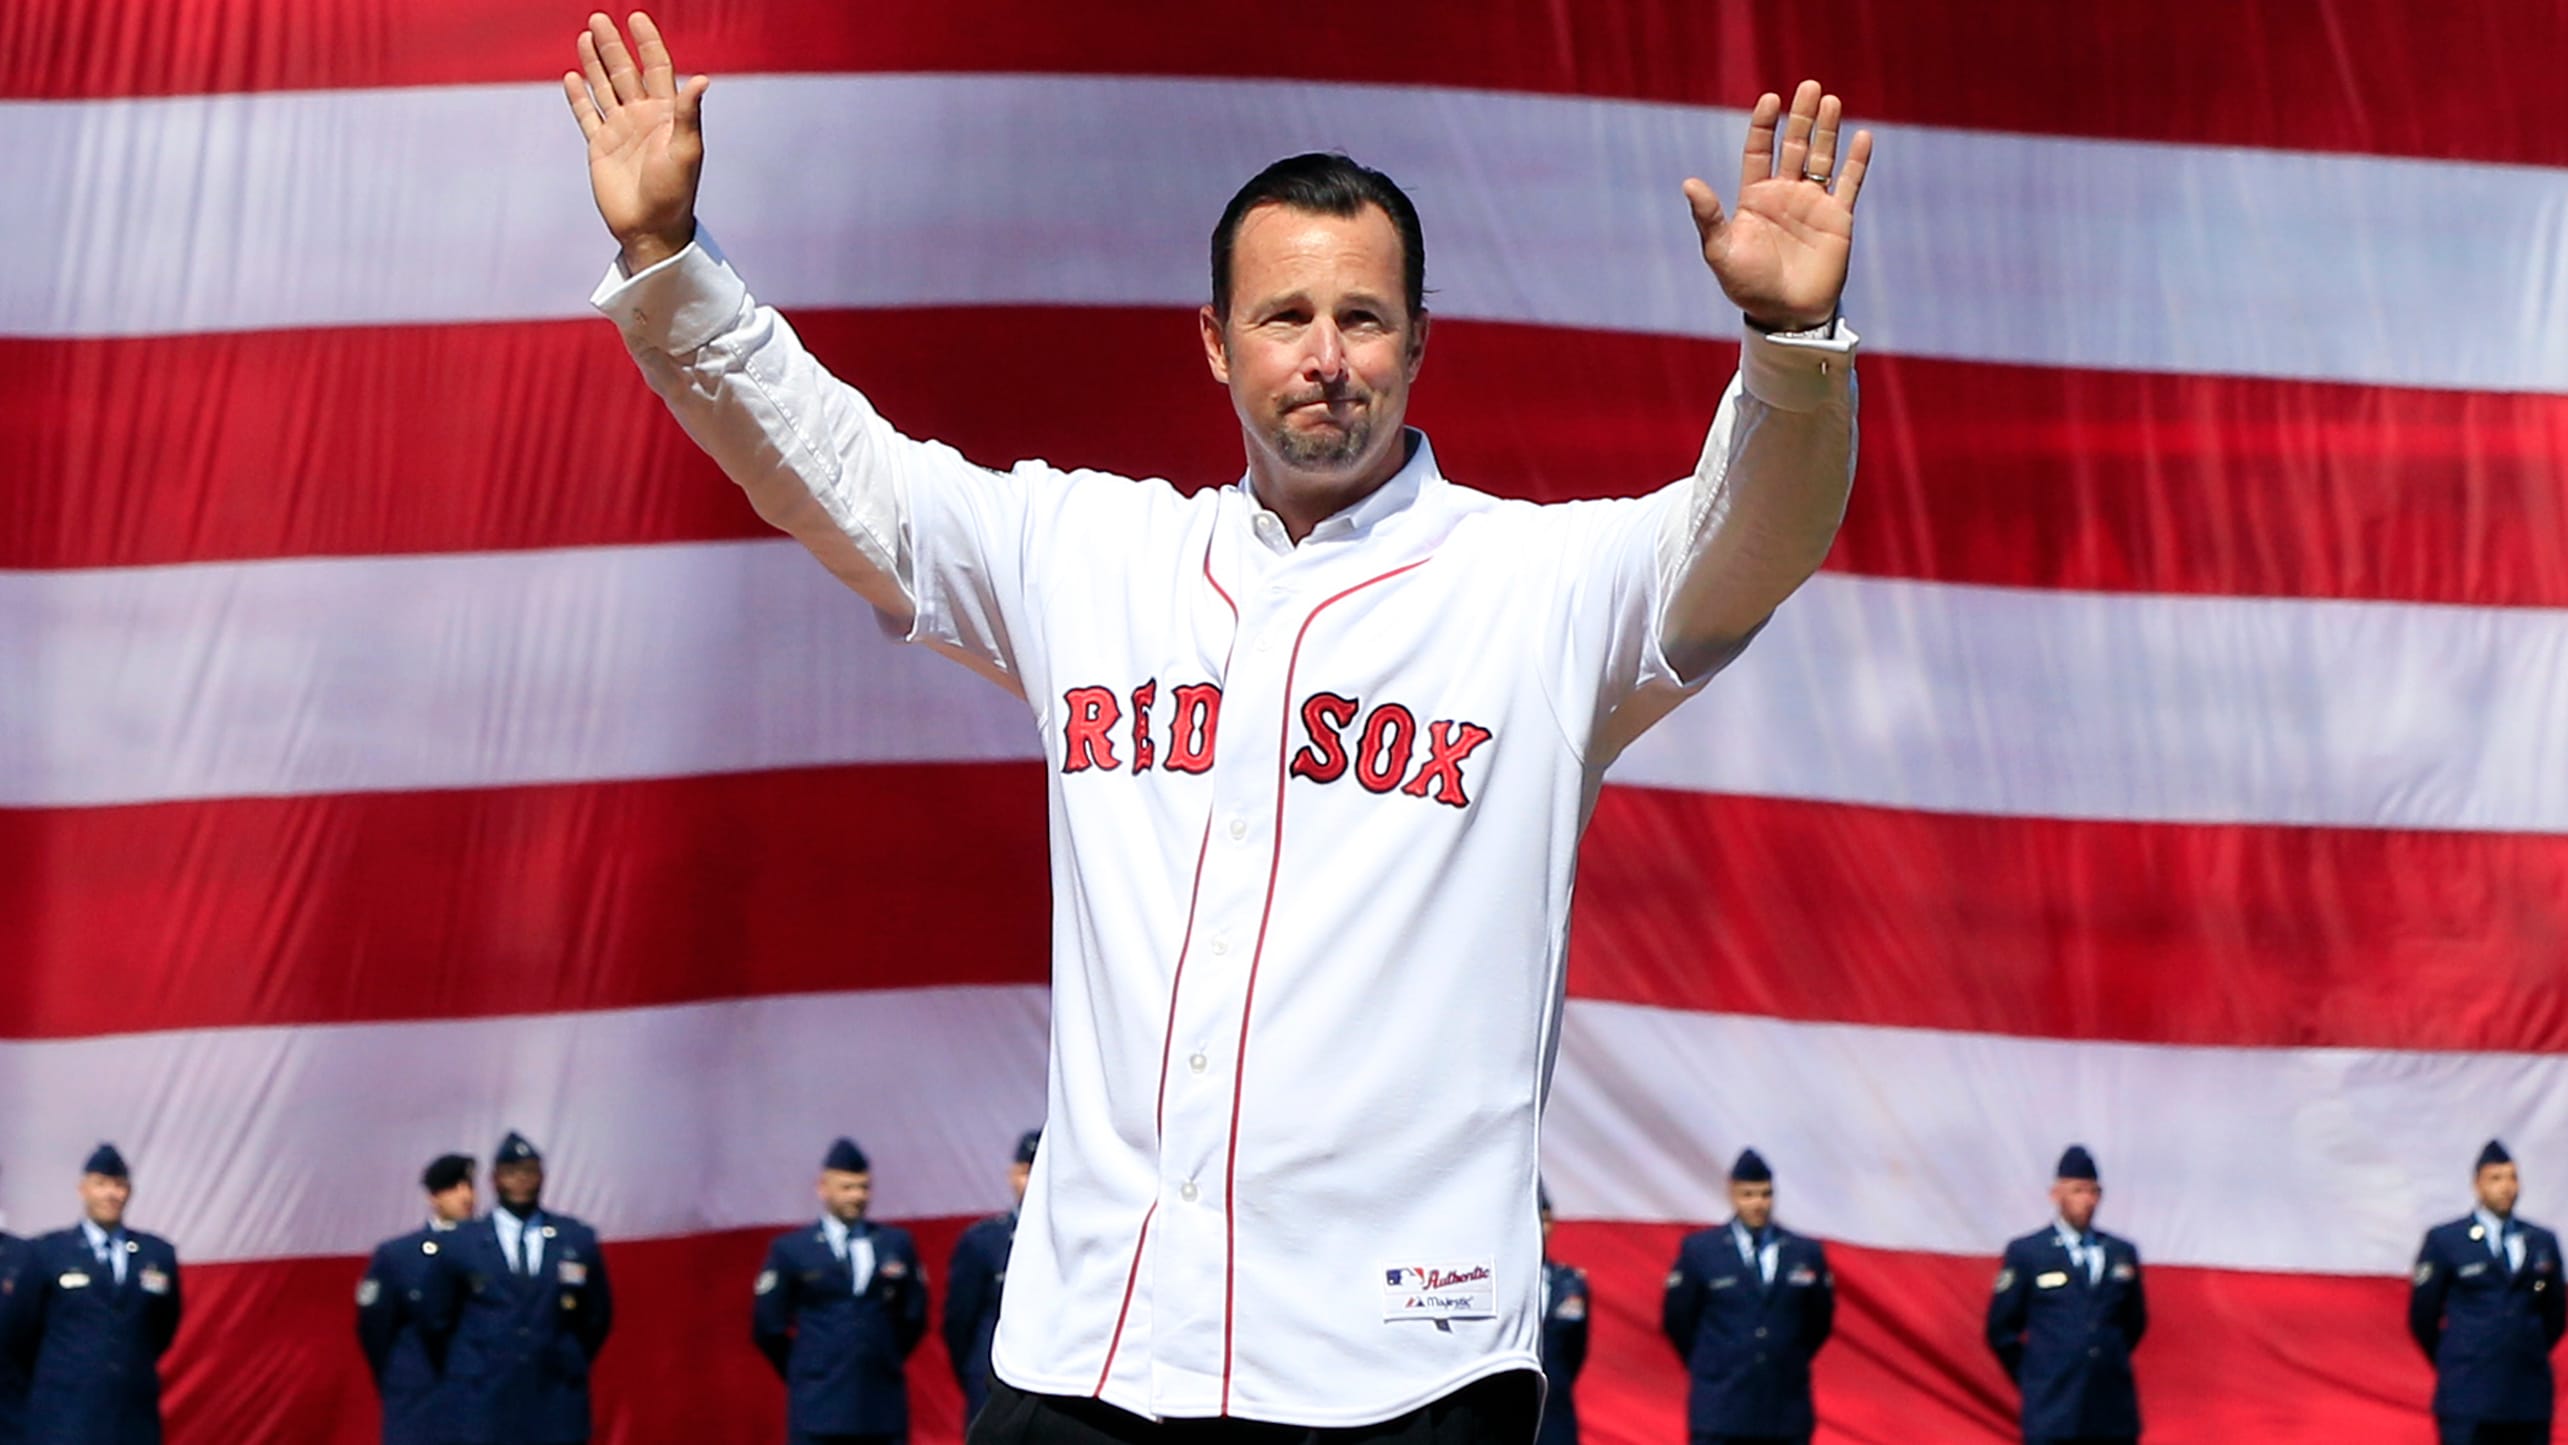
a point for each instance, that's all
(766, 1282)
(1467, 1291)
(2424, 1271)
(368, 1291)
(2005, 1280)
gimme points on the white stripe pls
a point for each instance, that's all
(2320, 1160)
(256, 1143)
(470, 203)
(702, 1117)
(376, 674)
(2113, 705)
(397, 673)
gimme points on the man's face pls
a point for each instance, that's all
(1753, 1202)
(520, 1183)
(1318, 348)
(845, 1193)
(2498, 1189)
(2077, 1199)
(1018, 1174)
(454, 1205)
(102, 1198)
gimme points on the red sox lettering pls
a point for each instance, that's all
(1378, 753)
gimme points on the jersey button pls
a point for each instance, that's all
(1239, 827)
(1198, 1062)
(1187, 1191)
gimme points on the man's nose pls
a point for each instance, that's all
(1326, 358)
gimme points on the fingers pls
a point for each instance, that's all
(1757, 163)
(620, 70)
(1706, 207)
(691, 102)
(1822, 160)
(593, 72)
(1858, 159)
(659, 77)
(1796, 130)
(583, 109)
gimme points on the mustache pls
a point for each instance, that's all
(1350, 391)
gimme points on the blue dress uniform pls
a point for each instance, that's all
(1746, 1337)
(2487, 1315)
(407, 1375)
(518, 1342)
(391, 1299)
(840, 1349)
(17, 1259)
(974, 1283)
(99, 1330)
(2063, 1324)
(1564, 1351)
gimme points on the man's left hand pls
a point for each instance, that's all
(1781, 258)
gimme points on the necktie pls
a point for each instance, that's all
(2090, 1258)
(532, 1244)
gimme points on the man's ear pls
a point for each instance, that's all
(1418, 343)
(1216, 348)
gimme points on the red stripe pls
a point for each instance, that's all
(1257, 955)
(266, 1356)
(2339, 75)
(2155, 933)
(473, 903)
(378, 441)
(2229, 1356)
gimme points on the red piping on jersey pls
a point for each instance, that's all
(1248, 998)
(1168, 1039)
(1130, 1279)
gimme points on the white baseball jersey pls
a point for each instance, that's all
(1315, 815)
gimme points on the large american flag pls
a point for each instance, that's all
(406, 735)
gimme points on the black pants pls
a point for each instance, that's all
(2492, 1432)
(1496, 1411)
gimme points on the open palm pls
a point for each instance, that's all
(1781, 256)
(645, 138)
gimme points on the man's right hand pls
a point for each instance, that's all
(645, 142)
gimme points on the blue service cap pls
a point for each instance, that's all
(2077, 1163)
(1751, 1169)
(105, 1160)
(2495, 1153)
(846, 1157)
(516, 1149)
(1027, 1143)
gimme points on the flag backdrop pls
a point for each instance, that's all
(405, 735)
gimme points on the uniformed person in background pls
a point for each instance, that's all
(1564, 1336)
(17, 1290)
(838, 1309)
(104, 1307)
(519, 1305)
(978, 1276)
(1748, 1306)
(2486, 1308)
(2067, 1313)
(389, 1302)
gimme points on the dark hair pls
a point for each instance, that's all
(1329, 184)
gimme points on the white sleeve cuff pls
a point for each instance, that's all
(677, 305)
(1799, 370)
